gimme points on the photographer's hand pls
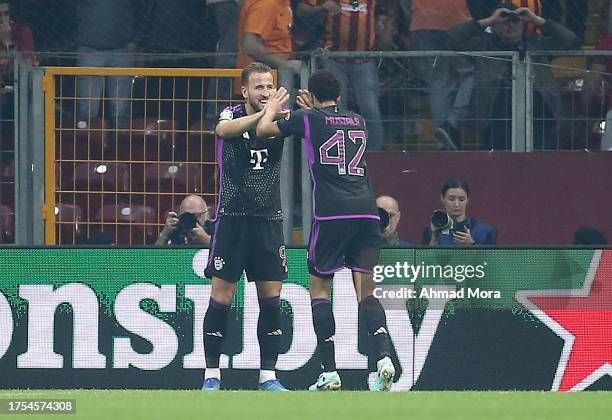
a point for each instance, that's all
(463, 238)
(169, 228)
(198, 235)
(435, 235)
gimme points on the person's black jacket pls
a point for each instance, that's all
(494, 73)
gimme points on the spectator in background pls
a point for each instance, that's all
(606, 11)
(466, 231)
(174, 31)
(16, 38)
(195, 205)
(309, 28)
(227, 16)
(53, 23)
(597, 84)
(350, 25)
(264, 35)
(450, 80)
(588, 235)
(108, 35)
(481, 9)
(572, 13)
(178, 27)
(493, 103)
(390, 234)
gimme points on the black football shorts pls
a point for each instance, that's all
(351, 243)
(251, 244)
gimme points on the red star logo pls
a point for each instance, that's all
(583, 319)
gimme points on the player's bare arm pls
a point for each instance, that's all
(267, 127)
(235, 127)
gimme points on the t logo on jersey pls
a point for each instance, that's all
(258, 158)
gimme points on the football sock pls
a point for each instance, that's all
(371, 379)
(376, 323)
(269, 332)
(266, 375)
(325, 329)
(212, 373)
(367, 340)
(215, 328)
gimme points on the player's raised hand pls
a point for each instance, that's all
(276, 101)
(304, 100)
(282, 96)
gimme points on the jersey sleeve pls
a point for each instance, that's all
(293, 124)
(226, 115)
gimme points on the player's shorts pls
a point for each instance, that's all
(335, 244)
(250, 244)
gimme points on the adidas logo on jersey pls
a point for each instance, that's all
(381, 330)
(275, 332)
(219, 263)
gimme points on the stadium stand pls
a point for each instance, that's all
(171, 119)
(129, 223)
(69, 219)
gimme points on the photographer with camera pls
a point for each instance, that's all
(507, 30)
(390, 236)
(191, 226)
(452, 226)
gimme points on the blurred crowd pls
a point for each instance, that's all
(467, 101)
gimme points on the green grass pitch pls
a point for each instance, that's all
(180, 405)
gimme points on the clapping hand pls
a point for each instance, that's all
(304, 99)
(276, 102)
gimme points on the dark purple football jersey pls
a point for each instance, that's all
(335, 144)
(249, 170)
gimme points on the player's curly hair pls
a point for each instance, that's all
(324, 86)
(254, 67)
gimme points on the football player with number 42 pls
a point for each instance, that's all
(345, 231)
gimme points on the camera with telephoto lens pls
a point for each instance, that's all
(384, 218)
(188, 221)
(441, 221)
